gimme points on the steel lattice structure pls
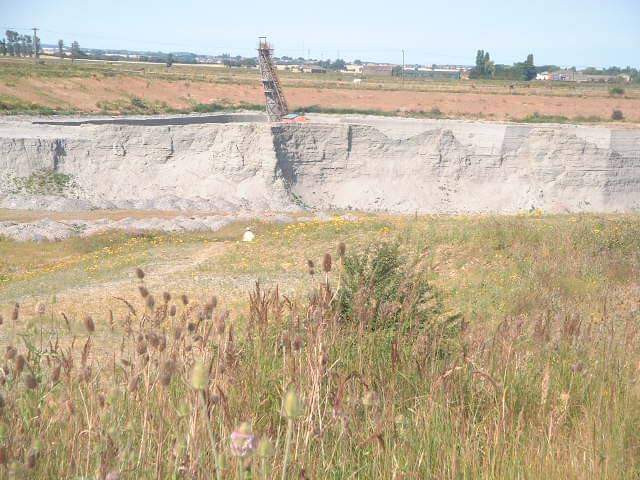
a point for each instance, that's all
(276, 104)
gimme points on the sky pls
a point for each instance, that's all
(562, 32)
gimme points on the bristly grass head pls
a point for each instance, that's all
(326, 262)
(89, 324)
(342, 249)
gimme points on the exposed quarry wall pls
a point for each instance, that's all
(364, 164)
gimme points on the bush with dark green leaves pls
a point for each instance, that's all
(617, 115)
(381, 287)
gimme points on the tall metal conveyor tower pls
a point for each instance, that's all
(276, 104)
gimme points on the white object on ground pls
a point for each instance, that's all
(248, 235)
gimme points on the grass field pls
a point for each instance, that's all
(424, 347)
(55, 86)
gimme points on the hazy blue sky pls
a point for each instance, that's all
(564, 32)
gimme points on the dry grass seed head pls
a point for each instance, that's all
(326, 262)
(30, 382)
(151, 302)
(19, 364)
(55, 373)
(89, 324)
(85, 374)
(342, 249)
(141, 347)
(166, 296)
(11, 353)
(32, 459)
(139, 273)
(16, 312)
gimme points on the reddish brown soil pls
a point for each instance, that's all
(86, 93)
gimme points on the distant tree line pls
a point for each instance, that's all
(486, 68)
(16, 45)
(527, 71)
(238, 61)
(338, 64)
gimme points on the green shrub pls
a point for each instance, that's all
(537, 118)
(381, 288)
(138, 102)
(616, 91)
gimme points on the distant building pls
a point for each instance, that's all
(563, 76)
(581, 77)
(434, 73)
(289, 67)
(545, 76)
(353, 68)
(313, 69)
(377, 69)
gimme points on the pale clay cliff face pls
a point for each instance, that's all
(446, 167)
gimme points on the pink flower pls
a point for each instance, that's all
(243, 442)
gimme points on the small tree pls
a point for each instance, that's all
(61, 48)
(27, 45)
(13, 43)
(480, 62)
(3, 47)
(529, 71)
(75, 50)
(339, 64)
(169, 60)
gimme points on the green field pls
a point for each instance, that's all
(425, 347)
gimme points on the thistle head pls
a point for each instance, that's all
(199, 376)
(265, 448)
(292, 406)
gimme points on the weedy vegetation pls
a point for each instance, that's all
(428, 348)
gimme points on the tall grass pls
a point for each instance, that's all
(366, 376)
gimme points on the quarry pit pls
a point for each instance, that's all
(238, 165)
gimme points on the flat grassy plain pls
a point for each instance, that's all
(424, 347)
(62, 87)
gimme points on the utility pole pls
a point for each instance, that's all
(36, 43)
(403, 68)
